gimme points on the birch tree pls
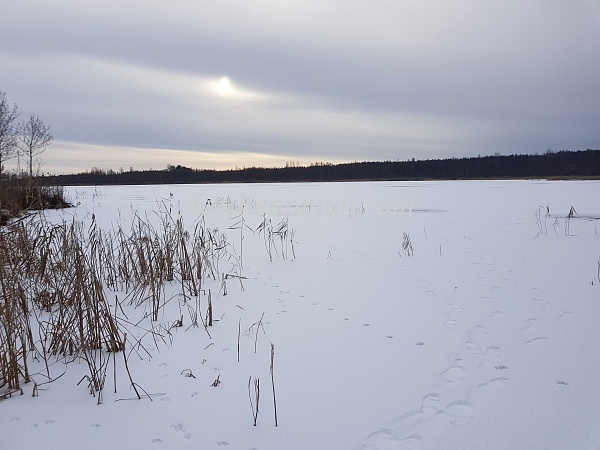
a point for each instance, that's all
(33, 137)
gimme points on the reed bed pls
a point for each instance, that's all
(54, 281)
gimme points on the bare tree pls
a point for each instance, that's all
(8, 136)
(34, 137)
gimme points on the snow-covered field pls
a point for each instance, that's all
(486, 337)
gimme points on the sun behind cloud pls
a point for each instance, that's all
(224, 88)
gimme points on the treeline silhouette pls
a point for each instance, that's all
(562, 164)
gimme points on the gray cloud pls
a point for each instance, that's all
(336, 80)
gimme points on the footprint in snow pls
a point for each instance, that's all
(460, 414)
(450, 324)
(430, 403)
(531, 323)
(473, 348)
(494, 383)
(454, 373)
(542, 303)
(564, 315)
(492, 352)
(536, 341)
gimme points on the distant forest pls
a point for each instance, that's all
(562, 164)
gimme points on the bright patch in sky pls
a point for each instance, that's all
(224, 87)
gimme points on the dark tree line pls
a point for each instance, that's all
(585, 163)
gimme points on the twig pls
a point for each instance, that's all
(254, 406)
(127, 368)
(273, 381)
(240, 330)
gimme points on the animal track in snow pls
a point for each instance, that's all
(43, 422)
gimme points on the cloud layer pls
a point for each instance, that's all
(308, 81)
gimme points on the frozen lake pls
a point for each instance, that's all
(433, 315)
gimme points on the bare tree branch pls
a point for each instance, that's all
(8, 135)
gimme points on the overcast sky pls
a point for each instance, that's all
(219, 84)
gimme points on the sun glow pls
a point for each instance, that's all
(223, 87)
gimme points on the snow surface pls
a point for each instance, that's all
(486, 337)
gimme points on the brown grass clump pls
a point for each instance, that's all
(20, 195)
(54, 280)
